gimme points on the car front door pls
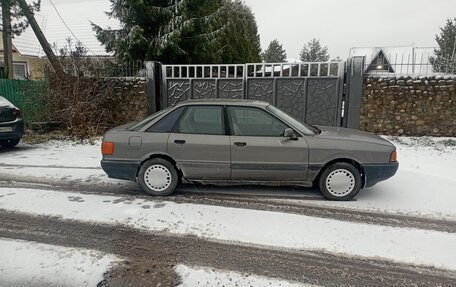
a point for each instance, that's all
(260, 152)
(199, 145)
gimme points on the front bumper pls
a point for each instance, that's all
(17, 127)
(375, 173)
(120, 169)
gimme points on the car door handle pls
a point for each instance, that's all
(179, 142)
(240, 144)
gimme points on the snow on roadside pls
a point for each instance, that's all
(427, 156)
(424, 186)
(34, 264)
(245, 226)
(54, 153)
(209, 277)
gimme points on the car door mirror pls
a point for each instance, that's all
(289, 133)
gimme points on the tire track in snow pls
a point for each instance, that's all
(159, 248)
(247, 201)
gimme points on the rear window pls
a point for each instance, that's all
(149, 119)
(166, 124)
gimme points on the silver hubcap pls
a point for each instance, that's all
(157, 177)
(340, 182)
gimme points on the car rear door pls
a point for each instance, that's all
(199, 144)
(259, 152)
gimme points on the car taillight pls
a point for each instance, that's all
(107, 148)
(393, 156)
(17, 113)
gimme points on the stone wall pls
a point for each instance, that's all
(129, 99)
(409, 106)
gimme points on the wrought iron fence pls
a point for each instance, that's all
(406, 61)
(305, 69)
(254, 70)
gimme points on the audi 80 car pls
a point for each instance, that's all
(11, 124)
(244, 142)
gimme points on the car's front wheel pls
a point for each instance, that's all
(10, 143)
(340, 181)
(158, 177)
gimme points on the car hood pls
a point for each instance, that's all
(352, 135)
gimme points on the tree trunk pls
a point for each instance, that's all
(7, 42)
(41, 38)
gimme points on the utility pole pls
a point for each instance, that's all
(7, 41)
(41, 38)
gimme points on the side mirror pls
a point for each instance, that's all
(289, 133)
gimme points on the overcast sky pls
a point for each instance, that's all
(342, 24)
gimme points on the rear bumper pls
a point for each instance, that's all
(17, 127)
(378, 172)
(120, 169)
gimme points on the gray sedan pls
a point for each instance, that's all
(244, 142)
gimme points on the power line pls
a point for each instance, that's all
(63, 21)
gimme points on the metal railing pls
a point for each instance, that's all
(253, 70)
(305, 69)
(203, 71)
(409, 64)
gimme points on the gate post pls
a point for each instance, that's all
(153, 86)
(354, 92)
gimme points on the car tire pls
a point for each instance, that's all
(340, 182)
(10, 143)
(158, 177)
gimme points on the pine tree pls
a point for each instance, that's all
(314, 52)
(445, 55)
(240, 42)
(274, 53)
(20, 22)
(171, 31)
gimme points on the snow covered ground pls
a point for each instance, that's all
(208, 277)
(424, 185)
(25, 263)
(243, 226)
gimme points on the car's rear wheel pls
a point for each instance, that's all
(10, 143)
(340, 181)
(158, 177)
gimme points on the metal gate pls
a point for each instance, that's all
(312, 92)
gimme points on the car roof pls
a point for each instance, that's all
(227, 102)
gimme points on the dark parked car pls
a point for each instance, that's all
(11, 124)
(244, 142)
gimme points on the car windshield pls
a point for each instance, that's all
(147, 120)
(301, 127)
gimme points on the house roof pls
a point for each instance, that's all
(77, 15)
(403, 59)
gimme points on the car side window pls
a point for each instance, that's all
(202, 120)
(247, 121)
(166, 124)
